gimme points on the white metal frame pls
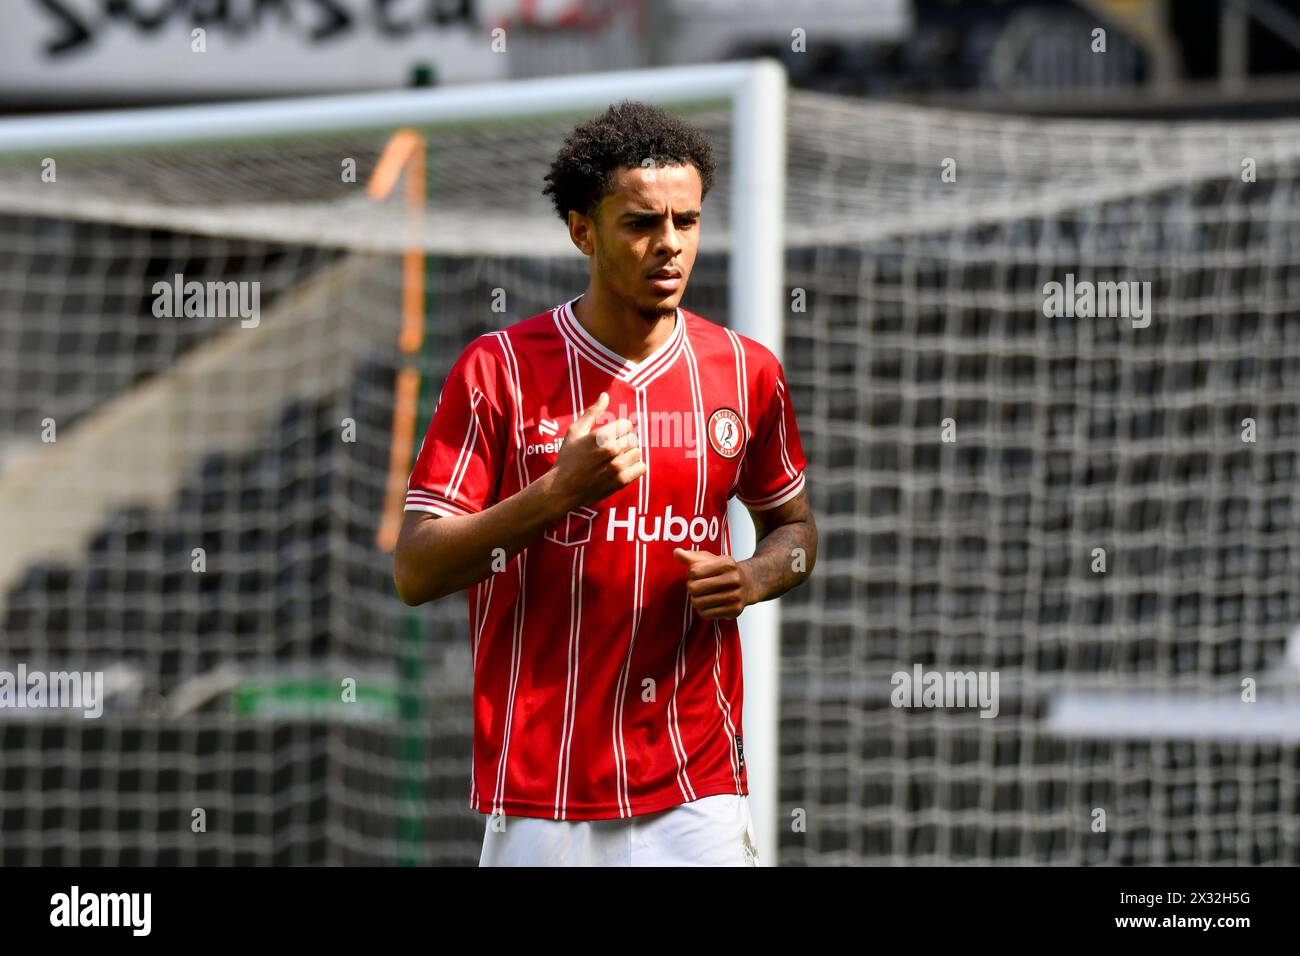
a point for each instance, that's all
(757, 94)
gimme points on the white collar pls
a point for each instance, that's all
(636, 374)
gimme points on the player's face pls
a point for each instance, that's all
(645, 237)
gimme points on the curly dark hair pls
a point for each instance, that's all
(626, 134)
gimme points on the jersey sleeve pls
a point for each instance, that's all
(772, 471)
(458, 467)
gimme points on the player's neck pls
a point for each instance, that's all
(619, 328)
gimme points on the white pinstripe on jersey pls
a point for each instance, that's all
(674, 724)
(570, 685)
(701, 483)
(521, 601)
(485, 591)
(742, 399)
(729, 728)
(785, 453)
(701, 440)
(575, 620)
(466, 448)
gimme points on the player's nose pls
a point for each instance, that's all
(669, 240)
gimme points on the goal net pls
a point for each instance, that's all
(193, 500)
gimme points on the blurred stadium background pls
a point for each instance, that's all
(922, 300)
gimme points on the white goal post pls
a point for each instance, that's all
(756, 94)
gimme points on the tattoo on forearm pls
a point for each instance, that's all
(783, 559)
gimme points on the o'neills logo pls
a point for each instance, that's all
(549, 447)
(666, 527)
(726, 433)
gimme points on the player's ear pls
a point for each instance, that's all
(582, 232)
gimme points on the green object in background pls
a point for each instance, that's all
(424, 75)
(315, 698)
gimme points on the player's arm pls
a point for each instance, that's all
(722, 587)
(786, 549)
(436, 556)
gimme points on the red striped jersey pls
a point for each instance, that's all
(598, 691)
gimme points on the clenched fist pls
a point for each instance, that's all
(592, 465)
(719, 586)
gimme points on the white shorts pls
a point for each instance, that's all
(710, 831)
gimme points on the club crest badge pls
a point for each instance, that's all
(726, 433)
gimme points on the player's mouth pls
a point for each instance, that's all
(666, 281)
